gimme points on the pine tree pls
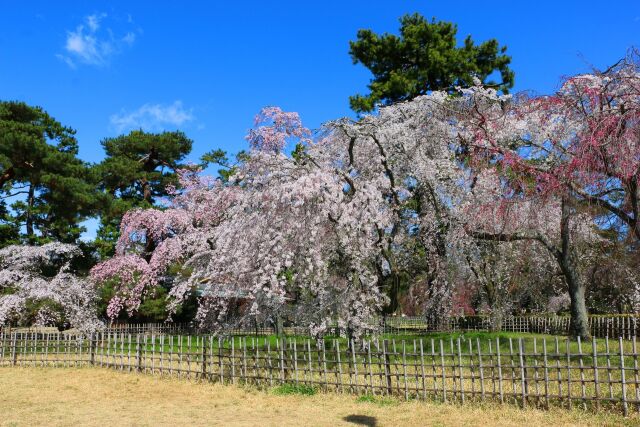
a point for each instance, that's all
(425, 57)
(135, 174)
(46, 190)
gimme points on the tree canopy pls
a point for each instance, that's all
(457, 197)
(45, 190)
(446, 189)
(136, 172)
(425, 57)
(39, 285)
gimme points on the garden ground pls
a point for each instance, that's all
(92, 396)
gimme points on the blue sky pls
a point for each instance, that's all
(207, 68)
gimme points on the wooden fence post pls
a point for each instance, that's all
(233, 360)
(635, 368)
(337, 344)
(324, 366)
(422, 373)
(203, 351)
(244, 359)
(293, 364)
(92, 348)
(500, 388)
(546, 373)
(280, 344)
(608, 368)
(220, 361)
(355, 368)
(523, 373)
(568, 346)
(461, 377)
(595, 373)
(444, 375)
(14, 353)
(623, 380)
(480, 369)
(582, 382)
(138, 354)
(387, 368)
(404, 370)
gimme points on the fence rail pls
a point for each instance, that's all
(602, 373)
(626, 326)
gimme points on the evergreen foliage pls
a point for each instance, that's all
(423, 58)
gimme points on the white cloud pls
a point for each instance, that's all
(66, 60)
(152, 117)
(129, 38)
(90, 44)
(93, 21)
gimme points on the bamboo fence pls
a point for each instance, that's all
(626, 326)
(600, 374)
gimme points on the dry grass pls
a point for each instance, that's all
(91, 396)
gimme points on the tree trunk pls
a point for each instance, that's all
(279, 328)
(29, 213)
(389, 283)
(564, 256)
(492, 301)
(393, 282)
(496, 322)
(146, 190)
(579, 326)
(149, 247)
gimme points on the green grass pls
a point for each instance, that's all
(287, 389)
(377, 400)
(508, 342)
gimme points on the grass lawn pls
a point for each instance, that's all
(92, 396)
(508, 341)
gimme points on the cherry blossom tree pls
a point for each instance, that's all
(37, 286)
(409, 144)
(570, 160)
(497, 212)
(314, 236)
(283, 234)
(328, 232)
(509, 277)
(614, 281)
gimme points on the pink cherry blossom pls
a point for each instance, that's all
(41, 274)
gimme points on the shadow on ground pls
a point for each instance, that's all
(363, 420)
